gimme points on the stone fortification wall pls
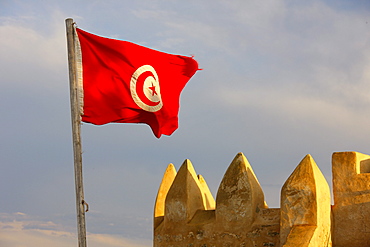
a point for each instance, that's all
(186, 213)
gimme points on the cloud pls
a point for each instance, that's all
(300, 106)
(33, 233)
(32, 56)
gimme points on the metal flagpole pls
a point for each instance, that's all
(76, 132)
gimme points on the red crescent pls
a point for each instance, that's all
(140, 89)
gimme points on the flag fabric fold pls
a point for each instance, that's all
(124, 82)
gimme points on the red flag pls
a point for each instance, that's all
(127, 83)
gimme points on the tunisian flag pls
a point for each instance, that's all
(126, 83)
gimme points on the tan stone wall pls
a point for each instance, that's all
(186, 214)
(351, 209)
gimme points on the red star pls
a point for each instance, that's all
(153, 90)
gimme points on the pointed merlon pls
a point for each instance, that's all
(185, 196)
(209, 200)
(239, 196)
(167, 180)
(305, 204)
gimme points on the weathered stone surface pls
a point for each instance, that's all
(185, 196)
(239, 187)
(241, 217)
(351, 189)
(240, 196)
(300, 235)
(265, 230)
(305, 204)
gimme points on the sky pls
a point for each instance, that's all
(280, 79)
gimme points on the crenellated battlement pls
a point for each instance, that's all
(186, 214)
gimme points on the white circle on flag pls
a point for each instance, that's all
(150, 92)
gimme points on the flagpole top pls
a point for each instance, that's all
(70, 22)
